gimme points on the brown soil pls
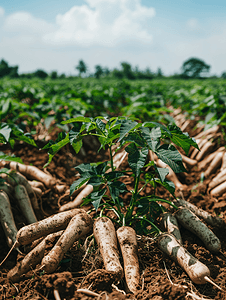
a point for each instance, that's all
(161, 277)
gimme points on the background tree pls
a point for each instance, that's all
(62, 76)
(106, 71)
(223, 75)
(40, 74)
(6, 70)
(117, 74)
(53, 75)
(194, 68)
(148, 74)
(98, 71)
(127, 70)
(81, 67)
(159, 72)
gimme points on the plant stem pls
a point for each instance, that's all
(163, 200)
(111, 158)
(136, 188)
(152, 224)
(141, 189)
(133, 199)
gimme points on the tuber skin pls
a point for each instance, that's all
(191, 222)
(171, 176)
(205, 150)
(128, 243)
(7, 220)
(207, 132)
(25, 203)
(214, 165)
(105, 236)
(78, 200)
(170, 225)
(79, 225)
(190, 163)
(33, 258)
(196, 270)
(59, 221)
(218, 190)
(16, 178)
(207, 217)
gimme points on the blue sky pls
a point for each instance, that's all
(54, 35)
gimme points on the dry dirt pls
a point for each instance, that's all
(161, 278)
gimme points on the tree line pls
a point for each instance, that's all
(191, 68)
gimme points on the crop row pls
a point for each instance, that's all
(33, 101)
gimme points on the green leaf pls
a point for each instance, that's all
(149, 208)
(48, 121)
(116, 188)
(19, 135)
(77, 184)
(109, 139)
(136, 138)
(136, 158)
(77, 145)
(54, 148)
(11, 158)
(6, 107)
(77, 119)
(74, 132)
(181, 139)
(169, 155)
(2, 181)
(4, 170)
(74, 138)
(169, 185)
(155, 124)
(100, 125)
(96, 197)
(5, 132)
(96, 180)
(125, 127)
(92, 169)
(113, 175)
(100, 168)
(85, 168)
(152, 137)
(162, 172)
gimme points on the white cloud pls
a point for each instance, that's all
(193, 24)
(25, 23)
(102, 22)
(2, 11)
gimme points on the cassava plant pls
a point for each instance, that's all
(137, 139)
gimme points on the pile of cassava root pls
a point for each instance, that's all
(27, 183)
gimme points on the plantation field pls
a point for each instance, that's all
(127, 151)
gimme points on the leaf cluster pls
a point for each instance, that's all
(137, 139)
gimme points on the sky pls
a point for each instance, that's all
(54, 35)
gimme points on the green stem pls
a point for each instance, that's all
(136, 188)
(133, 199)
(166, 201)
(123, 221)
(115, 211)
(113, 220)
(141, 189)
(85, 134)
(111, 158)
(152, 224)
